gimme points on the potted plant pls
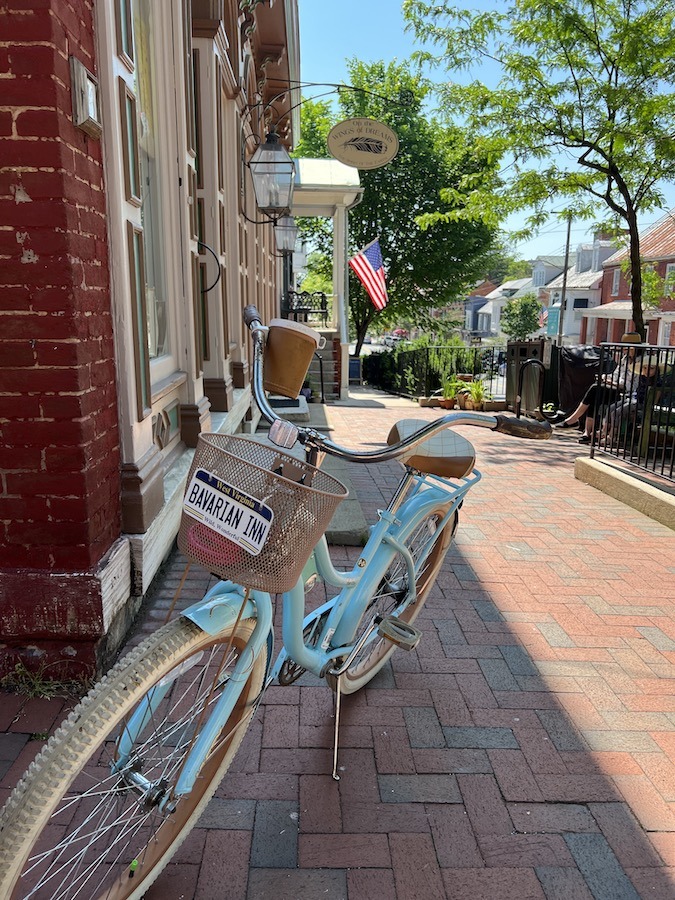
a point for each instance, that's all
(449, 394)
(463, 396)
(476, 395)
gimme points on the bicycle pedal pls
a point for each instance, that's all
(399, 632)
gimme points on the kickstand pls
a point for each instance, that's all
(338, 680)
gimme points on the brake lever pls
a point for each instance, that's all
(283, 434)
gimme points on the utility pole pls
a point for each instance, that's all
(563, 297)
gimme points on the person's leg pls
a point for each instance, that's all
(616, 414)
(587, 402)
(574, 417)
(587, 436)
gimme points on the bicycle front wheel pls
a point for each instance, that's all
(391, 597)
(75, 826)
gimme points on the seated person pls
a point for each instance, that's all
(629, 408)
(608, 389)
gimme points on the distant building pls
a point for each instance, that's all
(614, 314)
(482, 318)
(476, 298)
(582, 289)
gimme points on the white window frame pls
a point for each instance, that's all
(669, 280)
(166, 376)
(167, 72)
(616, 280)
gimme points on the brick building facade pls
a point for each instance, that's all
(113, 356)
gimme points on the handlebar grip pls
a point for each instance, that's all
(251, 315)
(523, 428)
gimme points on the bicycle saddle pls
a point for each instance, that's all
(447, 454)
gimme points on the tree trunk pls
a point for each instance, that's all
(635, 271)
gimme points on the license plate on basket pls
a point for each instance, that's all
(241, 519)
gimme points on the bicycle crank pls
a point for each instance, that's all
(399, 632)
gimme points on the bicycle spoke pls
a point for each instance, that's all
(111, 816)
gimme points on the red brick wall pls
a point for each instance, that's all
(59, 442)
(601, 331)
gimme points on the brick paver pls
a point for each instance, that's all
(526, 749)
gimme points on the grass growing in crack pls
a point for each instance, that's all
(38, 684)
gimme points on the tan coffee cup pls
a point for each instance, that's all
(288, 353)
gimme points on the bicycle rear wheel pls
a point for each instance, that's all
(392, 593)
(73, 827)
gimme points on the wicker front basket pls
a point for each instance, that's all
(234, 481)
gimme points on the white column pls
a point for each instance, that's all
(341, 291)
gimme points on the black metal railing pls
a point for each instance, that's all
(635, 408)
(305, 306)
(423, 371)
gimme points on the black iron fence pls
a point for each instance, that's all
(635, 407)
(421, 371)
(313, 308)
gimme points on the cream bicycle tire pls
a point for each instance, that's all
(28, 810)
(364, 668)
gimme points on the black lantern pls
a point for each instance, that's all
(273, 174)
(285, 233)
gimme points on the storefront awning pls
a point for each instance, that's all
(617, 309)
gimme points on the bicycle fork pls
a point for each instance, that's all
(222, 607)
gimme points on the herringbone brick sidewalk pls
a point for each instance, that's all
(525, 750)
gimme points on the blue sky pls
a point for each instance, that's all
(370, 30)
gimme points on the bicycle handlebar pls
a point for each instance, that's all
(286, 434)
(523, 428)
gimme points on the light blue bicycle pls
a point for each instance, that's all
(121, 783)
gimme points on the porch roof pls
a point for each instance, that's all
(323, 185)
(618, 309)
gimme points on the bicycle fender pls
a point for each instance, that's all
(217, 610)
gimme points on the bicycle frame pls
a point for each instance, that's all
(345, 610)
(222, 606)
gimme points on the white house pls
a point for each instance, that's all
(582, 289)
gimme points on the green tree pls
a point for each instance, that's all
(316, 120)
(520, 317)
(427, 264)
(654, 287)
(501, 265)
(319, 275)
(584, 111)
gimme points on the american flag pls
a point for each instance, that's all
(368, 267)
(543, 316)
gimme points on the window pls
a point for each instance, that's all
(125, 42)
(538, 277)
(132, 174)
(139, 315)
(145, 79)
(580, 304)
(669, 286)
(616, 278)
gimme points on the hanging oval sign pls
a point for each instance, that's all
(362, 143)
